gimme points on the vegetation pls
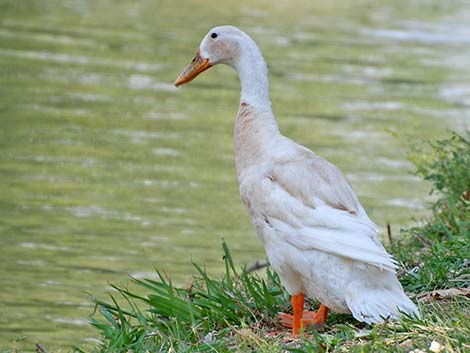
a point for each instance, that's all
(238, 312)
(437, 254)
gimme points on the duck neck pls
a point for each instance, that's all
(255, 127)
(253, 74)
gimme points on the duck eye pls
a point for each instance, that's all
(214, 35)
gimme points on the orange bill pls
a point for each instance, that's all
(197, 65)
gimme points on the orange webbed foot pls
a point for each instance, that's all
(287, 320)
(316, 319)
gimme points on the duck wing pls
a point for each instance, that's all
(310, 200)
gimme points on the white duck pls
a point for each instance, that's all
(316, 234)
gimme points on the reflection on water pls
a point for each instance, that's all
(79, 59)
(108, 170)
(147, 82)
(140, 136)
(442, 34)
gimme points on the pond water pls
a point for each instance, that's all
(107, 170)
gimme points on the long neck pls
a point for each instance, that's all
(256, 128)
(253, 74)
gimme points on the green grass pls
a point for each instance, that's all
(437, 254)
(237, 313)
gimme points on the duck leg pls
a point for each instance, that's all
(302, 318)
(298, 308)
(294, 321)
(319, 317)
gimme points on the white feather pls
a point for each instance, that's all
(374, 303)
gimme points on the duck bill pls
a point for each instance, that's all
(198, 65)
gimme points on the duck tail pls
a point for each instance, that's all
(377, 304)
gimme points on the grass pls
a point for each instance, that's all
(437, 255)
(237, 313)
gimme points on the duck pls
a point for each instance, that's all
(316, 234)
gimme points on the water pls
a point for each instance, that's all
(107, 170)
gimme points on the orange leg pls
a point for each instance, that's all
(307, 318)
(298, 308)
(321, 315)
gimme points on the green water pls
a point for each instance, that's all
(107, 170)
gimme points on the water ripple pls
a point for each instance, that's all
(80, 60)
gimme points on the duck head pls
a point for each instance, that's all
(221, 45)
